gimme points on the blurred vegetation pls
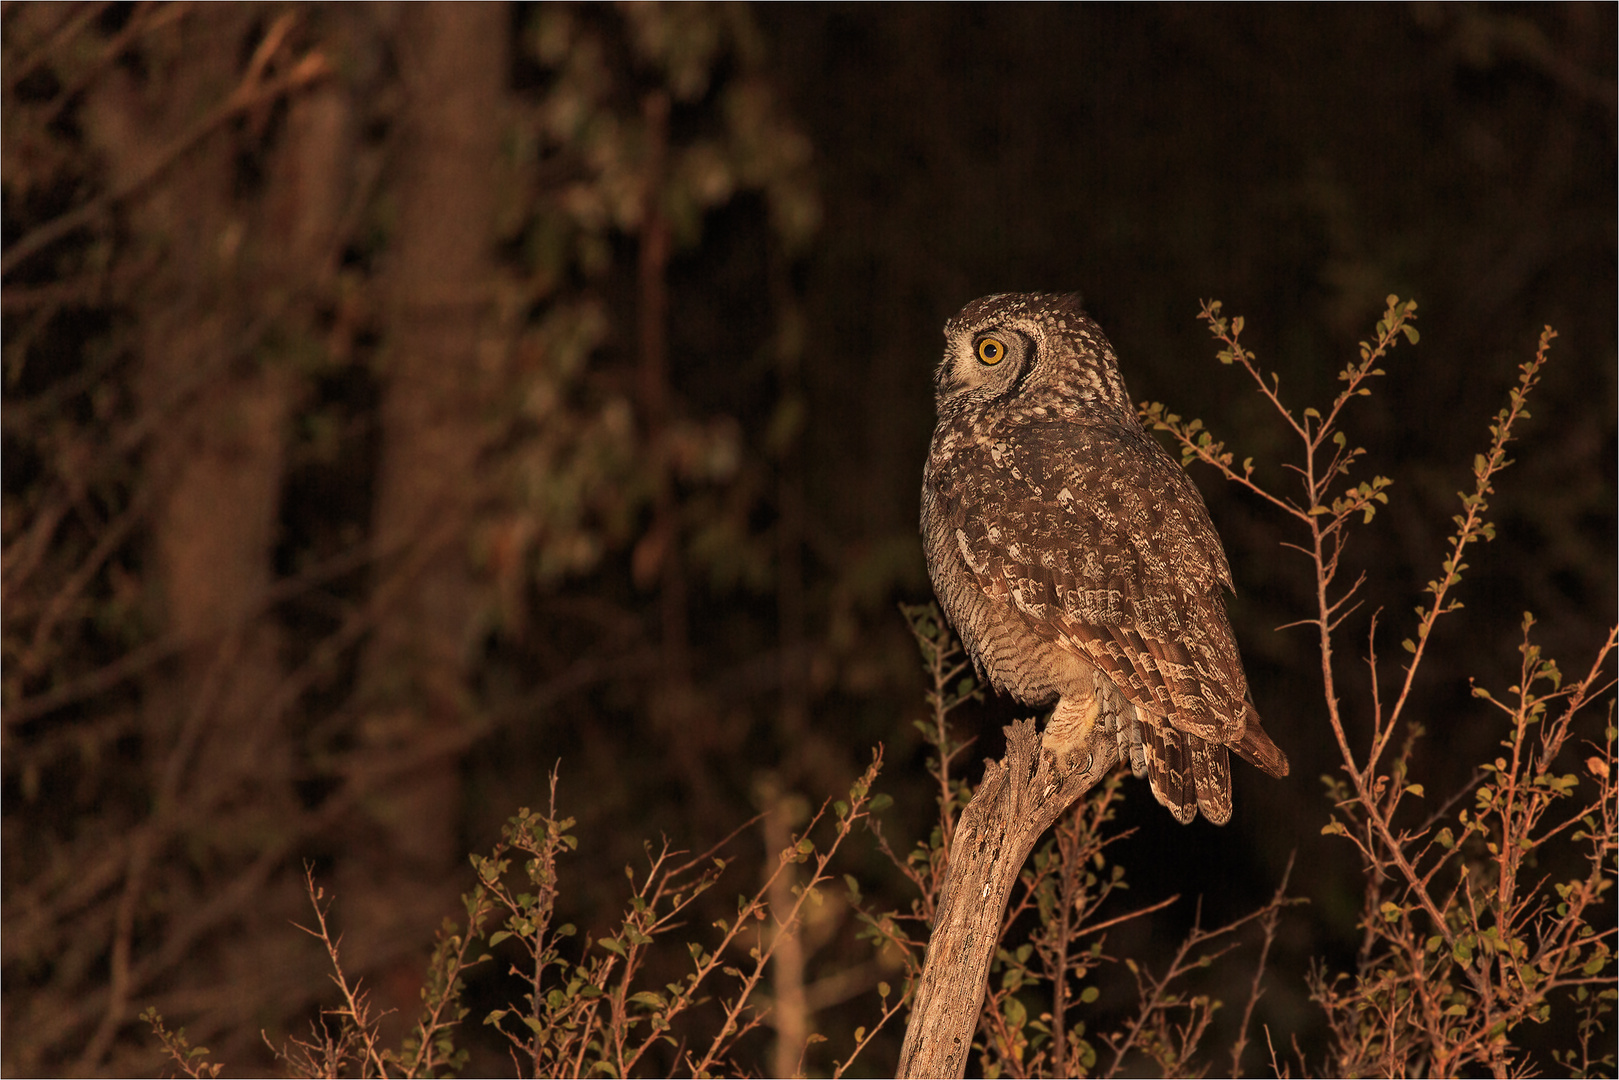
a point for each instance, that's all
(680, 452)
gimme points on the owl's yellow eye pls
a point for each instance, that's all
(991, 351)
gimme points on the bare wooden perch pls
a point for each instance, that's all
(1020, 798)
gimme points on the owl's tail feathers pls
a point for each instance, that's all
(1256, 748)
(1211, 776)
(1188, 774)
(1169, 773)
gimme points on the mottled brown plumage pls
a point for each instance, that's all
(1075, 557)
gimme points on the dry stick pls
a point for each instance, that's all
(354, 1003)
(69, 28)
(1020, 798)
(228, 903)
(250, 94)
(1267, 922)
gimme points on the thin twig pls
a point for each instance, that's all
(251, 93)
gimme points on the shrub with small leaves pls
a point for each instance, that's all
(1464, 941)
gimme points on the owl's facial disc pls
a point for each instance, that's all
(984, 363)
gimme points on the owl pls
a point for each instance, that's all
(1075, 558)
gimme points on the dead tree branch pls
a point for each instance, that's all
(1020, 797)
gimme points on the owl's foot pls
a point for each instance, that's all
(1068, 732)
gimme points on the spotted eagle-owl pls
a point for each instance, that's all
(1075, 557)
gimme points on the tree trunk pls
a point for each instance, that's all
(1019, 799)
(439, 287)
(219, 756)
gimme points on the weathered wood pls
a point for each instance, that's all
(1020, 798)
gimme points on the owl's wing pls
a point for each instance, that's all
(1103, 544)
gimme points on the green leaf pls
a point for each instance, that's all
(1017, 1016)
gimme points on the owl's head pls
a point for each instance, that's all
(1033, 349)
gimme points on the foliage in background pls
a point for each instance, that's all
(154, 836)
(635, 125)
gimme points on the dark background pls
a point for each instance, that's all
(525, 385)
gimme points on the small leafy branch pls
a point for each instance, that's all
(1462, 943)
(950, 686)
(1170, 1026)
(1449, 993)
(595, 1015)
(355, 1038)
(191, 1060)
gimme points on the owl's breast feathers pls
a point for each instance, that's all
(1102, 544)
